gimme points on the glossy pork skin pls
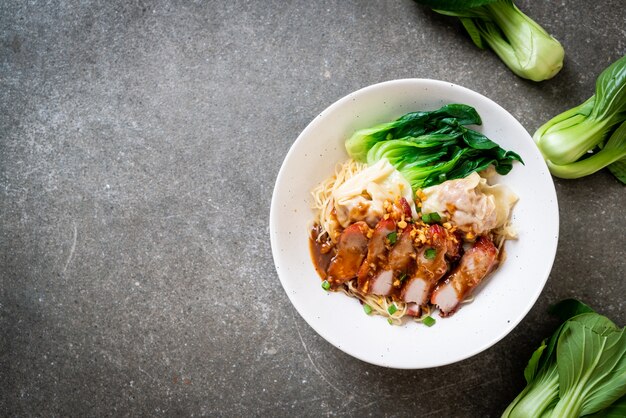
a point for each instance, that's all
(351, 251)
(475, 265)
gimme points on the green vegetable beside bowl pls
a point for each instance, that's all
(590, 136)
(581, 370)
(524, 46)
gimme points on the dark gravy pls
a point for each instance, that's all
(321, 252)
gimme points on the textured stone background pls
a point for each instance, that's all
(139, 144)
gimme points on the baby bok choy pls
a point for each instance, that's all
(590, 136)
(611, 152)
(581, 370)
(524, 46)
(430, 147)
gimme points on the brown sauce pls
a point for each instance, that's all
(321, 252)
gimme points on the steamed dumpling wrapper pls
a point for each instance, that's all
(471, 203)
(362, 196)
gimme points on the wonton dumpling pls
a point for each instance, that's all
(362, 196)
(470, 203)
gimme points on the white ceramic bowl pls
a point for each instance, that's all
(499, 305)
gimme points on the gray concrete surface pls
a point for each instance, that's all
(139, 144)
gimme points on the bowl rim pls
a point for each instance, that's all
(312, 125)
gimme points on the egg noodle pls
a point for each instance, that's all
(324, 203)
(380, 304)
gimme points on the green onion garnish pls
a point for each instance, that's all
(403, 277)
(392, 309)
(429, 321)
(430, 218)
(367, 308)
(389, 321)
(392, 237)
(430, 253)
(325, 285)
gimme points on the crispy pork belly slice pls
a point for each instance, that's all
(475, 265)
(351, 251)
(376, 252)
(402, 253)
(381, 284)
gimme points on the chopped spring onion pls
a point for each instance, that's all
(392, 309)
(325, 285)
(389, 321)
(429, 321)
(430, 253)
(392, 237)
(430, 218)
(403, 277)
(367, 308)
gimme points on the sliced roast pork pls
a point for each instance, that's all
(402, 208)
(431, 267)
(413, 309)
(351, 251)
(381, 283)
(399, 261)
(403, 252)
(376, 254)
(475, 265)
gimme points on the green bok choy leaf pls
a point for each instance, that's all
(580, 371)
(430, 147)
(411, 124)
(568, 138)
(524, 46)
(613, 151)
